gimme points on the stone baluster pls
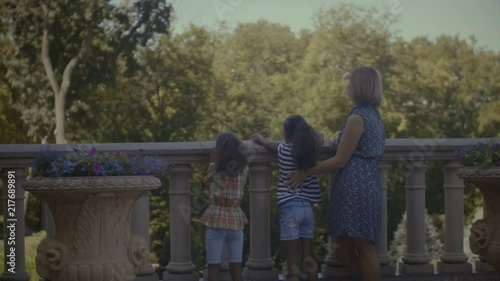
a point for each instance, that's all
(260, 266)
(14, 225)
(385, 261)
(332, 267)
(180, 267)
(416, 260)
(140, 225)
(453, 260)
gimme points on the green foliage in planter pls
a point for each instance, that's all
(30, 244)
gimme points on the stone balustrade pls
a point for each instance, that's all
(413, 153)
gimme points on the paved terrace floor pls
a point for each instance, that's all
(471, 277)
(436, 277)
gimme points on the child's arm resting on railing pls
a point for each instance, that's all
(209, 176)
(270, 145)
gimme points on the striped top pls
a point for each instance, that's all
(225, 195)
(309, 189)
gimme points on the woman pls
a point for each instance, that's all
(355, 200)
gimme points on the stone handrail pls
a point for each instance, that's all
(412, 152)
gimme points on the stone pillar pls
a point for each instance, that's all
(416, 260)
(453, 260)
(332, 267)
(180, 267)
(13, 226)
(260, 266)
(140, 225)
(385, 261)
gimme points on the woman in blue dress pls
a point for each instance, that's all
(355, 206)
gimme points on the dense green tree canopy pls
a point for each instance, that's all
(64, 50)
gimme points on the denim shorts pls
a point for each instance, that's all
(214, 242)
(296, 219)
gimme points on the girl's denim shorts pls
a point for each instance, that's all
(214, 242)
(296, 219)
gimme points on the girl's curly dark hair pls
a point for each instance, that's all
(229, 155)
(304, 141)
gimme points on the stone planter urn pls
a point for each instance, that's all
(92, 219)
(485, 233)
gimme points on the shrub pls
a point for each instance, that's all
(30, 244)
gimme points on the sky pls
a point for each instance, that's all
(430, 18)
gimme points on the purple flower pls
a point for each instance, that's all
(97, 168)
(498, 163)
(92, 151)
(495, 146)
(96, 163)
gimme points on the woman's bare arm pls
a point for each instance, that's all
(352, 133)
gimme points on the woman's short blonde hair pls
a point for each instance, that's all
(365, 86)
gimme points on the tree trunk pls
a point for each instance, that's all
(59, 132)
(60, 91)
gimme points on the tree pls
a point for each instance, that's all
(345, 37)
(10, 119)
(78, 43)
(446, 88)
(250, 67)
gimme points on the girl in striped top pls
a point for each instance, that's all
(223, 217)
(296, 207)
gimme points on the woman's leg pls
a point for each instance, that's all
(234, 243)
(308, 262)
(370, 266)
(345, 251)
(214, 238)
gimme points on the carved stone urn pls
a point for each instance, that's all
(92, 219)
(485, 233)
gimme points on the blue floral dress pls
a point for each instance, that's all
(355, 207)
